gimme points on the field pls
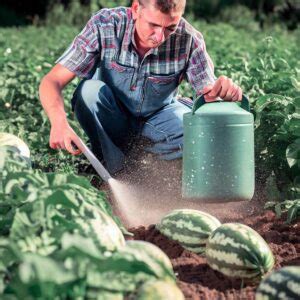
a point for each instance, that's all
(43, 209)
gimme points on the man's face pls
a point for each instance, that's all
(152, 26)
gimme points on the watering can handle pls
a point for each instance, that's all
(201, 101)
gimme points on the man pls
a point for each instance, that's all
(131, 61)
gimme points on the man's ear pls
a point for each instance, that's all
(135, 9)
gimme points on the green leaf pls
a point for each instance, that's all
(35, 268)
(84, 245)
(293, 153)
(295, 83)
(116, 281)
(102, 294)
(294, 212)
(294, 124)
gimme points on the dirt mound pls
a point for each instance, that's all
(198, 281)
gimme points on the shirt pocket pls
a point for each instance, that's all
(113, 65)
(161, 86)
(116, 75)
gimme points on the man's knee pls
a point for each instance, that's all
(91, 91)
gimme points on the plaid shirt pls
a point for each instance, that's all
(112, 30)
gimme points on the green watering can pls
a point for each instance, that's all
(218, 152)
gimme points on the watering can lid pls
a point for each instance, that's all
(220, 112)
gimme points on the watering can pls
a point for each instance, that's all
(218, 152)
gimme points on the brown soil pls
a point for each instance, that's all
(198, 281)
(150, 188)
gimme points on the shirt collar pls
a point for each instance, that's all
(129, 32)
(128, 40)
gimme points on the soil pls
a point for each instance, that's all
(198, 281)
(149, 188)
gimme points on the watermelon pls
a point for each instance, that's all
(12, 142)
(159, 290)
(152, 260)
(237, 250)
(190, 228)
(103, 230)
(281, 284)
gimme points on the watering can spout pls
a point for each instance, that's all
(218, 151)
(102, 172)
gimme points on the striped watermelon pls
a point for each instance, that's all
(237, 250)
(14, 143)
(152, 260)
(103, 230)
(159, 290)
(191, 228)
(282, 284)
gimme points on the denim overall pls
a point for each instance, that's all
(120, 101)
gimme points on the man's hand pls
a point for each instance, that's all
(62, 136)
(223, 88)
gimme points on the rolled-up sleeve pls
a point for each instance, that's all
(84, 51)
(200, 70)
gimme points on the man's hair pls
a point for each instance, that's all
(165, 6)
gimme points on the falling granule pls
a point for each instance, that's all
(145, 193)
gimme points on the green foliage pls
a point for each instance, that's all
(240, 17)
(98, 4)
(26, 55)
(204, 8)
(291, 207)
(74, 14)
(49, 248)
(24, 190)
(77, 14)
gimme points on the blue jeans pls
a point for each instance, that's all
(110, 125)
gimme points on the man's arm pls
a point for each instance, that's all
(200, 74)
(78, 60)
(50, 90)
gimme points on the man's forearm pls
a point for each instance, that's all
(52, 100)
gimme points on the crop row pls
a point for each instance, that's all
(60, 240)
